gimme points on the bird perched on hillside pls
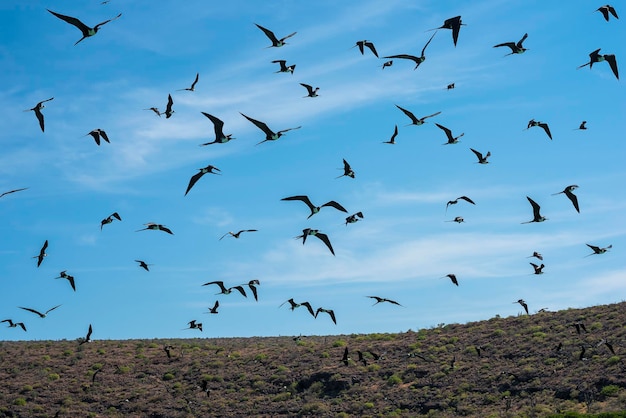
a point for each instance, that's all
(193, 85)
(237, 234)
(605, 10)
(14, 324)
(379, 300)
(579, 327)
(96, 134)
(516, 47)
(571, 196)
(366, 43)
(275, 41)
(110, 219)
(218, 127)
(316, 233)
(313, 208)
(42, 253)
(536, 215)
(156, 227)
(542, 125)
(211, 169)
(37, 110)
(86, 30)
(524, 305)
(454, 23)
(595, 56)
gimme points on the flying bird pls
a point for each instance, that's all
(536, 215)
(451, 139)
(387, 64)
(455, 201)
(155, 110)
(227, 290)
(143, 265)
(598, 250)
(269, 134)
(450, 86)
(12, 191)
(37, 110)
(97, 134)
(213, 310)
(516, 48)
(608, 345)
(579, 327)
(454, 23)
(524, 305)
(329, 312)
(582, 126)
(252, 284)
(41, 315)
(68, 277)
(347, 170)
(193, 85)
(416, 60)
(458, 219)
(380, 300)
(345, 359)
(275, 41)
(211, 169)
(315, 209)
(414, 119)
(481, 159)
(86, 30)
(542, 125)
(236, 234)
(315, 232)
(536, 255)
(452, 277)
(368, 44)
(312, 92)
(168, 109)
(156, 227)
(354, 218)
(14, 324)
(218, 125)
(284, 68)
(392, 140)
(294, 305)
(42, 253)
(568, 191)
(110, 219)
(87, 338)
(605, 10)
(595, 56)
(193, 324)
(538, 269)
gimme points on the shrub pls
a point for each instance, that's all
(394, 379)
(610, 390)
(19, 401)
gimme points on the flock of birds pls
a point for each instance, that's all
(453, 24)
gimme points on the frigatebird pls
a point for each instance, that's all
(143, 265)
(12, 191)
(96, 134)
(538, 269)
(354, 218)
(269, 134)
(416, 60)
(236, 234)
(193, 85)
(347, 170)
(213, 310)
(345, 359)
(582, 126)
(387, 64)
(275, 41)
(605, 10)
(42, 253)
(294, 305)
(571, 196)
(87, 338)
(156, 227)
(455, 201)
(379, 300)
(312, 92)
(41, 315)
(595, 56)
(109, 219)
(168, 109)
(392, 140)
(414, 119)
(536, 255)
(448, 132)
(68, 277)
(14, 324)
(284, 68)
(516, 47)
(315, 232)
(598, 250)
(37, 110)
(368, 44)
(536, 215)
(252, 284)
(579, 326)
(454, 23)
(218, 125)
(329, 312)
(457, 219)
(524, 305)
(452, 277)
(86, 30)
(315, 209)
(226, 291)
(211, 169)
(481, 159)
(193, 325)
(608, 345)
(542, 125)
(155, 110)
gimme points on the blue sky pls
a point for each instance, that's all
(402, 246)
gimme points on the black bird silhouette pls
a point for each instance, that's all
(156, 227)
(269, 134)
(457, 219)
(379, 300)
(330, 312)
(236, 234)
(12, 191)
(275, 41)
(536, 255)
(211, 169)
(97, 134)
(579, 327)
(368, 44)
(193, 324)
(454, 23)
(168, 109)
(345, 359)
(213, 310)
(455, 201)
(451, 139)
(416, 60)
(87, 338)
(524, 305)
(582, 126)
(109, 219)
(414, 119)
(14, 324)
(155, 110)
(315, 209)
(68, 277)
(42, 253)
(284, 68)
(315, 232)
(450, 86)
(354, 218)
(361, 358)
(452, 277)
(387, 64)
(571, 196)
(252, 284)
(41, 315)
(581, 356)
(605, 10)
(168, 350)
(347, 170)
(294, 305)
(481, 159)
(193, 85)
(542, 125)
(536, 215)
(598, 250)
(608, 345)
(226, 291)
(312, 92)
(37, 110)
(538, 269)
(392, 140)
(516, 48)
(595, 56)
(218, 125)
(143, 265)
(86, 30)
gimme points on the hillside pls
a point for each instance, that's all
(529, 365)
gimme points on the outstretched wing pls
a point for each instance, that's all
(326, 241)
(75, 22)
(193, 180)
(262, 126)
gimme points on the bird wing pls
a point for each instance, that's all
(430, 116)
(218, 125)
(72, 283)
(309, 308)
(546, 128)
(613, 12)
(521, 41)
(335, 205)
(370, 45)
(302, 198)
(535, 206)
(269, 34)
(287, 37)
(262, 126)
(254, 291)
(467, 199)
(33, 311)
(478, 154)
(431, 38)
(193, 180)
(406, 57)
(52, 309)
(43, 248)
(395, 133)
(613, 63)
(73, 21)
(104, 136)
(240, 289)
(326, 241)
(594, 248)
(288, 129)
(509, 44)
(170, 102)
(13, 191)
(105, 22)
(88, 333)
(116, 216)
(446, 130)
(193, 85)
(308, 87)
(219, 283)
(409, 114)
(573, 199)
